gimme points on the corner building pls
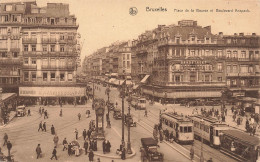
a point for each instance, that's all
(49, 47)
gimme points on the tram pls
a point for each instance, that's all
(138, 102)
(181, 127)
(240, 145)
(208, 128)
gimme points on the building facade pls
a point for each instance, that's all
(186, 60)
(46, 43)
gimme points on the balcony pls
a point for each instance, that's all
(194, 84)
(29, 67)
(54, 67)
(30, 40)
(242, 74)
(10, 61)
(49, 40)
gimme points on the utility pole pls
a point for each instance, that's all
(129, 150)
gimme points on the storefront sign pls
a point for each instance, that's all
(52, 91)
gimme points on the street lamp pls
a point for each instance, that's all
(129, 150)
(93, 92)
(122, 94)
(108, 109)
(201, 155)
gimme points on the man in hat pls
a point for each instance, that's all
(54, 153)
(38, 151)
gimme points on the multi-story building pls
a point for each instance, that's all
(45, 40)
(11, 45)
(188, 61)
(242, 64)
(114, 60)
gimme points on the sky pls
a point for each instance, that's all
(102, 22)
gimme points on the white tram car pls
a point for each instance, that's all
(181, 127)
(208, 128)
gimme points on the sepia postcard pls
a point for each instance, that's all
(130, 80)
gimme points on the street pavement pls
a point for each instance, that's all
(23, 132)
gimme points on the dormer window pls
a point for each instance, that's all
(193, 38)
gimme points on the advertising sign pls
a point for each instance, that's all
(52, 91)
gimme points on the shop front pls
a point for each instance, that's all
(52, 95)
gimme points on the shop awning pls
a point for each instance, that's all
(52, 91)
(136, 86)
(8, 96)
(112, 80)
(129, 82)
(144, 80)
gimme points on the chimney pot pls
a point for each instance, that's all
(241, 34)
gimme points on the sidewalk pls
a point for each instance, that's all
(11, 116)
(188, 111)
(115, 139)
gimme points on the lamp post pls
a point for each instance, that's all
(93, 92)
(108, 109)
(129, 150)
(123, 113)
(201, 154)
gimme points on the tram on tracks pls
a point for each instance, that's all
(208, 128)
(240, 145)
(138, 102)
(179, 126)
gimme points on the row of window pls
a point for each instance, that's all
(201, 126)
(45, 61)
(5, 55)
(243, 82)
(53, 76)
(48, 48)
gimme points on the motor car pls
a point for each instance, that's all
(149, 150)
(21, 111)
(117, 114)
(130, 119)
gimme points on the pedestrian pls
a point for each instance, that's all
(91, 143)
(44, 126)
(95, 145)
(86, 147)
(76, 133)
(29, 112)
(79, 116)
(38, 151)
(54, 153)
(60, 112)
(161, 135)
(104, 146)
(210, 160)
(91, 156)
(40, 126)
(192, 152)
(45, 114)
(89, 134)
(43, 111)
(69, 149)
(56, 140)
(76, 151)
(108, 146)
(123, 153)
(52, 130)
(40, 111)
(65, 144)
(5, 139)
(167, 135)
(84, 134)
(9, 147)
(145, 113)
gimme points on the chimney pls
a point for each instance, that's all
(241, 34)
(208, 28)
(253, 34)
(235, 34)
(220, 33)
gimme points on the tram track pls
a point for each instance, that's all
(186, 148)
